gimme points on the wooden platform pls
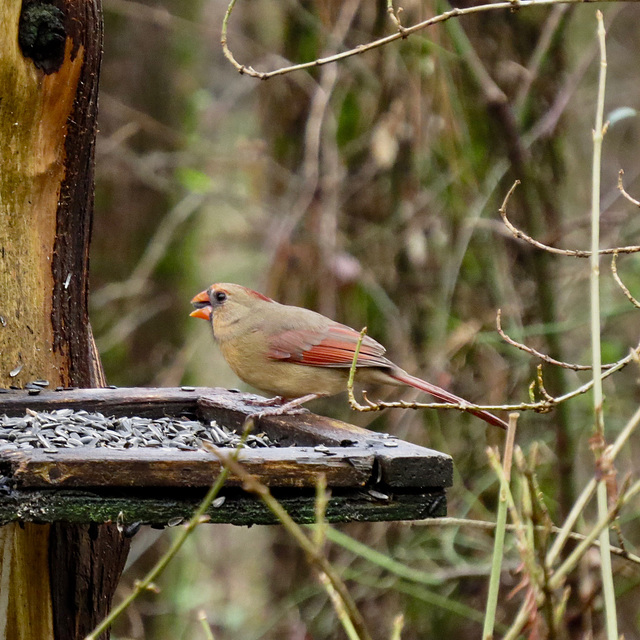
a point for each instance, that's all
(371, 476)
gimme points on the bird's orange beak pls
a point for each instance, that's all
(203, 306)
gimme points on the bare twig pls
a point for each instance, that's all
(538, 354)
(394, 14)
(602, 460)
(404, 33)
(616, 277)
(574, 253)
(543, 406)
(623, 191)
(490, 526)
(539, 379)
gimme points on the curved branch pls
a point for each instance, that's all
(543, 406)
(403, 32)
(574, 253)
(623, 192)
(616, 277)
(538, 354)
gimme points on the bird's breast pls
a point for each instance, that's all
(247, 357)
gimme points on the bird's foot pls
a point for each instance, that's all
(276, 401)
(287, 408)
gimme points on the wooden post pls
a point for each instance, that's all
(55, 581)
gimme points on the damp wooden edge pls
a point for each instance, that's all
(395, 463)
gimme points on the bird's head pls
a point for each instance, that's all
(226, 303)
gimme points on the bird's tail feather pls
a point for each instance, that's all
(445, 396)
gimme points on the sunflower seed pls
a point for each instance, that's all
(63, 428)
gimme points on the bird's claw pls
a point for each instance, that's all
(287, 409)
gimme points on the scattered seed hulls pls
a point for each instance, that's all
(65, 428)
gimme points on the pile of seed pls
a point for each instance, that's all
(65, 428)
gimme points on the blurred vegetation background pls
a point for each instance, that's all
(368, 191)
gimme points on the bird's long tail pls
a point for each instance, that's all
(444, 395)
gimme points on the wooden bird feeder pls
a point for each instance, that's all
(371, 476)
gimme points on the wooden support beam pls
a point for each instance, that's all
(55, 582)
(167, 508)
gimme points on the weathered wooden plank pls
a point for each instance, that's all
(401, 464)
(118, 402)
(275, 467)
(297, 429)
(239, 508)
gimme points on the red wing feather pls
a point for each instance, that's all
(334, 347)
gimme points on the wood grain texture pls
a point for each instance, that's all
(49, 68)
(161, 507)
(140, 467)
(396, 463)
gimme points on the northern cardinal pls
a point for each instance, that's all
(293, 352)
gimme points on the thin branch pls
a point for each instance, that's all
(602, 460)
(404, 33)
(538, 354)
(394, 14)
(544, 406)
(616, 277)
(574, 253)
(490, 526)
(539, 379)
(623, 191)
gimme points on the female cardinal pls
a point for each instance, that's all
(297, 353)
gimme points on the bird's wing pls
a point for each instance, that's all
(334, 346)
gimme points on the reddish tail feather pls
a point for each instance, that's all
(446, 396)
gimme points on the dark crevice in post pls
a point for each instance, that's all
(70, 264)
(42, 34)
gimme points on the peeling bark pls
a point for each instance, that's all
(49, 66)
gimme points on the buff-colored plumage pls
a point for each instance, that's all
(293, 352)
